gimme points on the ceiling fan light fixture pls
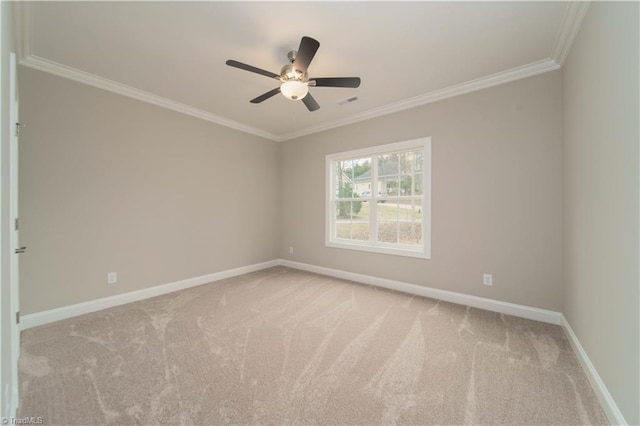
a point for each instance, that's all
(293, 78)
(294, 89)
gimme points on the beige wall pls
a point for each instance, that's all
(601, 115)
(113, 184)
(497, 187)
(108, 183)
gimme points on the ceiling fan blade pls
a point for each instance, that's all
(337, 82)
(250, 68)
(265, 96)
(306, 52)
(310, 103)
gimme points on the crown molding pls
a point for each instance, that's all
(60, 70)
(503, 77)
(23, 18)
(571, 22)
(22, 21)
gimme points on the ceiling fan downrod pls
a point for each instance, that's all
(295, 80)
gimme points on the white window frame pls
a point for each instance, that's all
(372, 245)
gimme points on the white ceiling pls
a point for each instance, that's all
(407, 53)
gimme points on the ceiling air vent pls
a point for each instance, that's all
(348, 100)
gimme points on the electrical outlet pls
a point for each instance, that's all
(290, 249)
(112, 277)
(487, 279)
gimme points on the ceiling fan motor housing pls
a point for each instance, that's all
(288, 73)
(295, 80)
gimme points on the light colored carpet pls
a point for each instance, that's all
(282, 346)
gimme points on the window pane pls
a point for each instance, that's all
(388, 221)
(387, 210)
(411, 229)
(399, 221)
(387, 165)
(419, 161)
(347, 169)
(363, 214)
(352, 221)
(345, 190)
(398, 191)
(417, 184)
(388, 232)
(344, 187)
(352, 231)
(362, 177)
(407, 160)
(414, 208)
(406, 182)
(410, 233)
(391, 184)
(356, 210)
(336, 178)
(353, 178)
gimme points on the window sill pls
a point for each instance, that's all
(420, 253)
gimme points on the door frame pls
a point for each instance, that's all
(14, 264)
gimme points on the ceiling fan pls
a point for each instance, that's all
(295, 80)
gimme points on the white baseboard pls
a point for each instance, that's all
(609, 406)
(46, 317)
(14, 402)
(9, 404)
(611, 409)
(528, 312)
(57, 314)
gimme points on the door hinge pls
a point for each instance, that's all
(18, 317)
(17, 129)
(16, 224)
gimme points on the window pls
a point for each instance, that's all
(378, 199)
